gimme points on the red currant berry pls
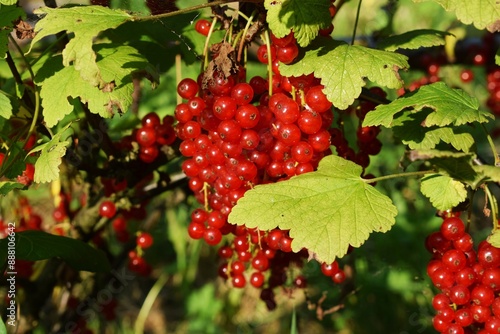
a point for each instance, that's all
(144, 240)
(107, 209)
(202, 26)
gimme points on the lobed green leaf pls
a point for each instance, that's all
(304, 18)
(443, 191)
(116, 63)
(47, 164)
(342, 69)
(481, 13)
(408, 127)
(86, 22)
(451, 106)
(325, 211)
(413, 40)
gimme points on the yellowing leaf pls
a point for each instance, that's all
(413, 40)
(86, 22)
(481, 13)
(443, 191)
(304, 18)
(342, 69)
(325, 211)
(451, 106)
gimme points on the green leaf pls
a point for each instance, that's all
(86, 22)
(38, 245)
(8, 14)
(8, 2)
(457, 165)
(460, 141)
(494, 238)
(3, 329)
(481, 13)
(413, 40)
(304, 18)
(443, 191)
(497, 57)
(8, 186)
(488, 173)
(5, 106)
(451, 106)
(47, 164)
(408, 127)
(458, 168)
(116, 63)
(15, 161)
(342, 69)
(325, 211)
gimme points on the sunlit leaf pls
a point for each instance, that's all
(86, 22)
(413, 40)
(343, 68)
(304, 18)
(325, 211)
(451, 106)
(443, 191)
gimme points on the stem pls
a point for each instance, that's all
(148, 303)
(37, 91)
(494, 207)
(178, 75)
(247, 26)
(356, 22)
(13, 69)
(492, 146)
(189, 9)
(267, 40)
(207, 42)
(393, 176)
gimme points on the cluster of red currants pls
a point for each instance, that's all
(235, 135)
(468, 280)
(153, 134)
(137, 263)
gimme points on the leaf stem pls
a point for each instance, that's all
(393, 176)
(207, 43)
(36, 89)
(148, 303)
(356, 22)
(492, 146)
(245, 30)
(494, 207)
(13, 69)
(267, 40)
